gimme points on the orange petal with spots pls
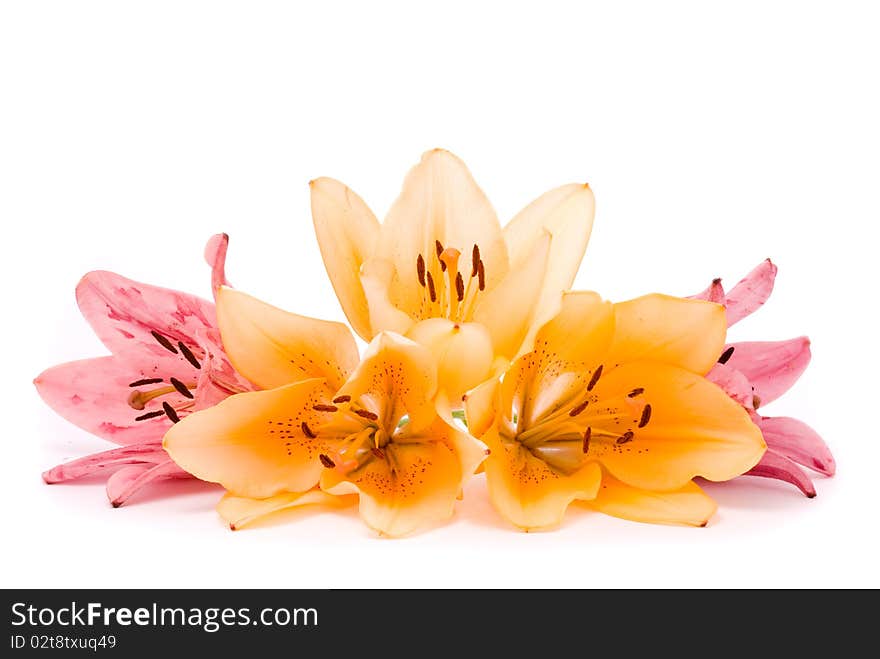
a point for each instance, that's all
(254, 443)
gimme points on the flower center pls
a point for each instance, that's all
(444, 292)
(582, 427)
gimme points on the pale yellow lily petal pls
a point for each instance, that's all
(418, 482)
(255, 444)
(240, 511)
(272, 347)
(508, 310)
(685, 333)
(481, 405)
(693, 428)
(397, 377)
(440, 201)
(567, 214)
(463, 353)
(688, 505)
(526, 491)
(347, 231)
(376, 278)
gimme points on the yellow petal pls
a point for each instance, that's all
(567, 350)
(239, 511)
(347, 231)
(418, 482)
(567, 214)
(685, 333)
(481, 405)
(693, 429)
(254, 443)
(462, 351)
(377, 277)
(271, 347)
(440, 201)
(398, 377)
(527, 492)
(508, 309)
(688, 505)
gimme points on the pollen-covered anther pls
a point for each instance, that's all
(586, 444)
(150, 415)
(626, 437)
(579, 408)
(420, 270)
(459, 287)
(726, 355)
(188, 355)
(646, 416)
(475, 260)
(638, 391)
(163, 341)
(342, 399)
(170, 412)
(322, 407)
(141, 383)
(595, 378)
(439, 247)
(432, 292)
(182, 389)
(481, 274)
(326, 461)
(308, 432)
(372, 416)
(377, 452)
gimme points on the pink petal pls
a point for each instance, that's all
(218, 379)
(773, 465)
(771, 366)
(734, 384)
(125, 314)
(94, 394)
(148, 453)
(797, 441)
(128, 481)
(751, 293)
(715, 293)
(215, 255)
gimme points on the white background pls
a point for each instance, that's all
(713, 137)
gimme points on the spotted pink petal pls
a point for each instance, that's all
(798, 442)
(215, 255)
(128, 315)
(715, 293)
(751, 292)
(774, 465)
(94, 394)
(735, 384)
(126, 482)
(147, 453)
(771, 366)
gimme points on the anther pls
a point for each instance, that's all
(593, 380)
(459, 286)
(475, 259)
(579, 408)
(162, 341)
(481, 273)
(587, 434)
(420, 269)
(140, 383)
(307, 431)
(170, 412)
(646, 416)
(726, 355)
(626, 437)
(324, 408)
(431, 290)
(150, 415)
(638, 391)
(187, 353)
(367, 414)
(181, 388)
(326, 461)
(379, 453)
(439, 247)
(342, 399)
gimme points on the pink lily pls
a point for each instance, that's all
(167, 361)
(757, 372)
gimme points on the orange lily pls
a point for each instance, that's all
(367, 427)
(610, 408)
(441, 270)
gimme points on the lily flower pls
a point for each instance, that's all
(757, 372)
(611, 408)
(167, 361)
(441, 270)
(326, 420)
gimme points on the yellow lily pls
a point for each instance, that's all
(610, 408)
(368, 427)
(441, 270)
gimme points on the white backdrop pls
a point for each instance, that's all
(712, 137)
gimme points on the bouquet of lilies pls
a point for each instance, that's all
(480, 358)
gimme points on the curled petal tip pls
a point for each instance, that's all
(116, 504)
(703, 524)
